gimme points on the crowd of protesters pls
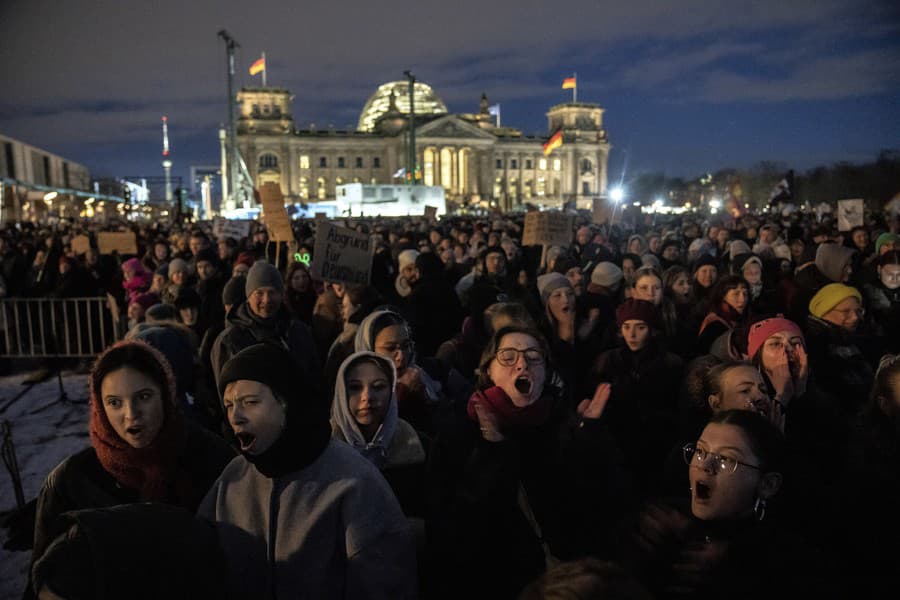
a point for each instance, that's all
(688, 407)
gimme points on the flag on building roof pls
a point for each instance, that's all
(494, 109)
(554, 142)
(569, 83)
(258, 66)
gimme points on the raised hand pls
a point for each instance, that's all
(782, 379)
(487, 421)
(801, 370)
(593, 408)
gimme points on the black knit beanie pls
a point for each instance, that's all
(307, 430)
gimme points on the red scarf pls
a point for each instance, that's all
(508, 414)
(151, 471)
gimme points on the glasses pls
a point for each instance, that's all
(509, 356)
(723, 464)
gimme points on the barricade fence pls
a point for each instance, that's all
(57, 327)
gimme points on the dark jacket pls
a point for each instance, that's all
(246, 329)
(643, 409)
(435, 313)
(484, 545)
(719, 560)
(841, 367)
(140, 551)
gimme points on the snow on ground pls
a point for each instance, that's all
(42, 440)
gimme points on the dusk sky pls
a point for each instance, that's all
(688, 87)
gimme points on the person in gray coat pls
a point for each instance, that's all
(299, 514)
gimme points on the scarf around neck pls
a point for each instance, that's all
(510, 416)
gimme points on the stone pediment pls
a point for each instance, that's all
(451, 126)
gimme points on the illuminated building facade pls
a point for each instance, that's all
(473, 159)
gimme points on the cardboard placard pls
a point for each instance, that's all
(230, 228)
(81, 244)
(277, 221)
(342, 255)
(431, 213)
(122, 242)
(850, 214)
(548, 229)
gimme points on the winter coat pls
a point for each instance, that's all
(139, 551)
(716, 560)
(568, 475)
(435, 313)
(246, 329)
(80, 482)
(841, 367)
(330, 530)
(883, 306)
(643, 409)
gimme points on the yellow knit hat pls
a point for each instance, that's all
(830, 296)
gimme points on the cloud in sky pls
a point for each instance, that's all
(103, 72)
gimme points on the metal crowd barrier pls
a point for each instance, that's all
(56, 327)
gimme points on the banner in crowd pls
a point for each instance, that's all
(547, 228)
(342, 255)
(230, 228)
(277, 221)
(122, 242)
(850, 214)
(81, 244)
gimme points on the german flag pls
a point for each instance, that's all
(569, 83)
(554, 142)
(258, 66)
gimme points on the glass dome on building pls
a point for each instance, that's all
(426, 100)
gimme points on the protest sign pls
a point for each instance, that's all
(277, 221)
(850, 214)
(81, 244)
(230, 228)
(122, 242)
(342, 255)
(547, 228)
(431, 213)
(320, 216)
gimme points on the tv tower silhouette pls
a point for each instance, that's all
(166, 163)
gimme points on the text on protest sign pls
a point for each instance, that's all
(277, 221)
(342, 255)
(547, 228)
(122, 242)
(850, 214)
(230, 228)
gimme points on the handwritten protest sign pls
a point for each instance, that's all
(547, 228)
(230, 228)
(81, 244)
(122, 242)
(342, 255)
(277, 221)
(850, 214)
(431, 213)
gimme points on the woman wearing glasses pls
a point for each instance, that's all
(725, 544)
(836, 348)
(419, 395)
(517, 485)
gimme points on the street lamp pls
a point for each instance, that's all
(617, 194)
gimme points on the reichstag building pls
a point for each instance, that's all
(474, 160)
